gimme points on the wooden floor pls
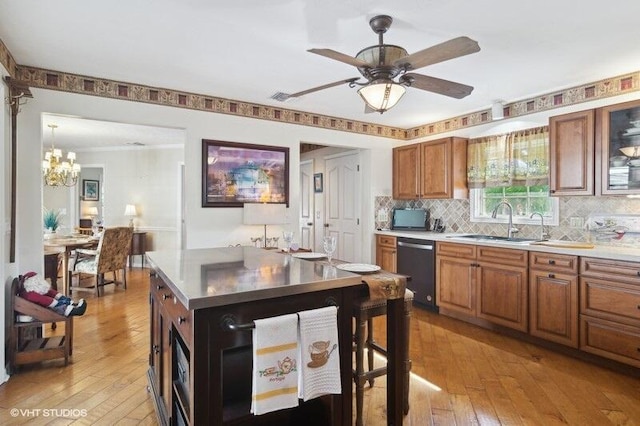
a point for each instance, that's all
(462, 375)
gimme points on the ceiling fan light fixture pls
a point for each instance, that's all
(382, 95)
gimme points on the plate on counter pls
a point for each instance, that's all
(360, 268)
(309, 255)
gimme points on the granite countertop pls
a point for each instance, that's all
(599, 251)
(203, 278)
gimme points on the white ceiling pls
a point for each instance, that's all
(249, 49)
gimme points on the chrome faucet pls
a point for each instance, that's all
(543, 234)
(511, 230)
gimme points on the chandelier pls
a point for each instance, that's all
(57, 172)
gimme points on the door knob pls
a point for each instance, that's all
(326, 225)
(309, 223)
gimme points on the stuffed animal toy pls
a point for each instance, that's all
(38, 290)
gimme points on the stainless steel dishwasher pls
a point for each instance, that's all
(417, 258)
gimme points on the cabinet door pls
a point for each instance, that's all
(618, 136)
(502, 295)
(406, 160)
(571, 154)
(435, 169)
(553, 307)
(386, 258)
(455, 284)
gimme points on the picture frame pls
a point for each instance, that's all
(90, 190)
(235, 173)
(317, 183)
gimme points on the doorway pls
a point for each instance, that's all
(306, 221)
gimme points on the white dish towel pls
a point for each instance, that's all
(319, 353)
(275, 355)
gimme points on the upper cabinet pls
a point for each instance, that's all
(596, 152)
(571, 153)
(619, 139)
(434, 169)
(406, 167)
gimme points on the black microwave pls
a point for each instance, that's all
(410, 219)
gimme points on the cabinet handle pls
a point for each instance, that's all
(552, 262)
(159, 287)
(638, 306)
(552, 275)
(156, 349)
(166, 296)
(638, 273)
(181, 320)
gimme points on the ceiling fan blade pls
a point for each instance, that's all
(316, 89)
(437, 85)
(453, 48)
(332, 54)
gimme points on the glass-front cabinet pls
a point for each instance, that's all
(620, 143)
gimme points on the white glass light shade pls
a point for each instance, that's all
(497, 111)
(382, 96)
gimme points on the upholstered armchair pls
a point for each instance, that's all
(110, 256)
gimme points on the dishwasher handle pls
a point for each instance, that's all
(418, 246)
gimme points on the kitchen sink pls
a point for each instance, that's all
(481, 237)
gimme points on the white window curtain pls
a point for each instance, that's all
(517, 158)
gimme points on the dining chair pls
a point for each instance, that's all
(110, 256)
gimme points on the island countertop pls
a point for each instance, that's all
(203, 278)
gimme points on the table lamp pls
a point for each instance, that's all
(130, 211)
(264, 214)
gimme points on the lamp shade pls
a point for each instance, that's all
(264, 214)
(130, 210)
(92, 211)
(382, 95)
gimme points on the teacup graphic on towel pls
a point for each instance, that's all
(320, 353)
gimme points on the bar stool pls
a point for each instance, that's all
(364, 310)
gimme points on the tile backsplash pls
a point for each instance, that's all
(455, 216)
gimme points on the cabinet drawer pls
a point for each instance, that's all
(180, 317)
(386, 241)
(611, 269)
(610, 340)
(553, 262)
(616, 301)
(502, 256)
(464, 251)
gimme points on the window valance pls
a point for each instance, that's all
(517, 158)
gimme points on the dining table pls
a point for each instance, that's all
(65, 246)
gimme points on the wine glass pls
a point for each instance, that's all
(287, 236)
(329, 245)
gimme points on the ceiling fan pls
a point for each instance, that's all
(382, 63)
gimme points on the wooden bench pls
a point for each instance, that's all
(27, 348)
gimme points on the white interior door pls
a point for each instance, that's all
(306, 228)
(342, 204)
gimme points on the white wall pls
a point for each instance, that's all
(5, 216)
(147, 177)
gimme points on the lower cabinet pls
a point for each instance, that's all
(553, 297)
(610, 309)
(169, 358)
(483, 282)
(386, 253)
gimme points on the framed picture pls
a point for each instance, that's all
(236, 173)
(317, 182)
(90, 190)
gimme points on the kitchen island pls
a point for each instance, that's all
(203, 303)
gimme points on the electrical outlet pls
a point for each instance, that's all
(383, 216)
(576, 222)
